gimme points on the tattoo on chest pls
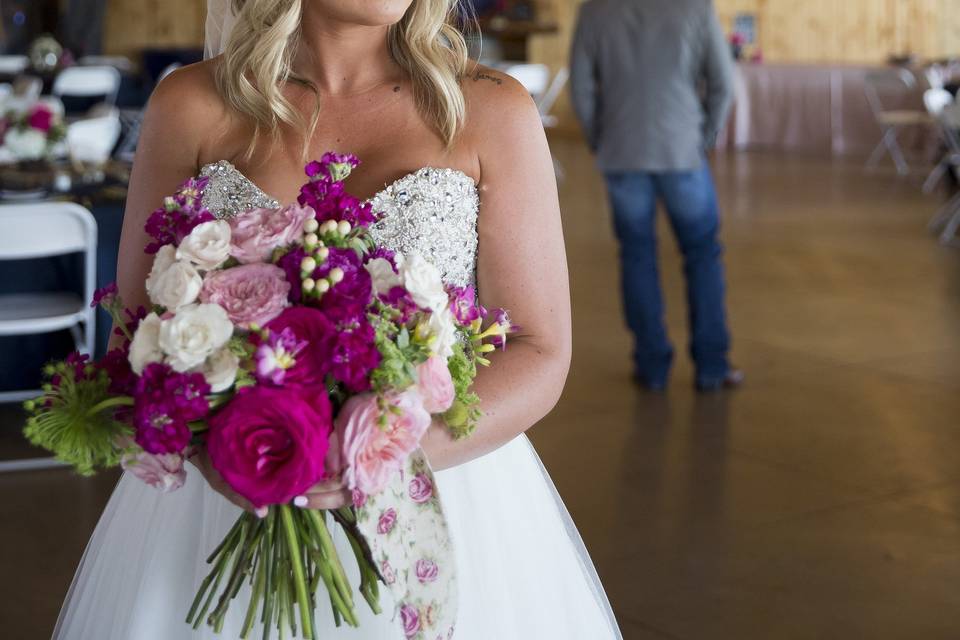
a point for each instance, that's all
(479, 75)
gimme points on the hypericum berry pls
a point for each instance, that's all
(311, 225)
(343, 227)
(336, 275)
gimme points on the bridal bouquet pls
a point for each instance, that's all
(295, 350)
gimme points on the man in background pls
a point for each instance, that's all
(651, 82)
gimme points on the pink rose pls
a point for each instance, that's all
(162, 471)
(387, 520)
(269, 443)
(426, 570)
(374, 452)
(421, 489)
(250, 294)
(389, 575)
(256, 233)
(435, 385)
(410, 619)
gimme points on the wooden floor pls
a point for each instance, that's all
(820, 501)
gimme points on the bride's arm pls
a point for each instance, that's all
(521, 267)
(176, 126)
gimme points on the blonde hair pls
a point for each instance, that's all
(257, 63)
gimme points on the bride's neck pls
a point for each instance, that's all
(342, 58)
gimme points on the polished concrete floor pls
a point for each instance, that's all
(820, 501)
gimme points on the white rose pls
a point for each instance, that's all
(424, 283)
(195, 333)
(145, 346)
(172, 283)
(220, 370)
(444, 331)
(207, 246)
(383, 276)
(26, 144)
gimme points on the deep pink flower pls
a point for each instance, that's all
(353, 354)
(104, 295)
(401, 300)
(350, 296)
(269, 444)
(290, 263)
(41, 118)
(249, 293)
(116, 364)
(388, 519)
(330, 200)
(410, 619)
(314, 359)
(276, 355)
(164, 403)
(463, 303)
(180, 213)
(421, 488)
(426, 570)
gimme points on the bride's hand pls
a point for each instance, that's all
(202, 462)
(329, 494)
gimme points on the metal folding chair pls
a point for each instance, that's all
(891, 121)
(948, 217)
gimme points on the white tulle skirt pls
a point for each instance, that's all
(523, 570)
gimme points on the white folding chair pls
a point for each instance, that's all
(533, 76)
(886, 82)
(88, 82)
(44, 230)
(550, 96)
(948, 217)
(93, 139)
(121, 63)
(13, 65)
(936, 100)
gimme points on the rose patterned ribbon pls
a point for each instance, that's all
(410, 543)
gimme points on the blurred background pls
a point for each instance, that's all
(820, 500)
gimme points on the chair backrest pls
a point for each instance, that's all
(39, 230)
(550, 96)
(93, 139)
(13, 65)
(936, 100)
(887, 81)
(534, 77)
(950, 123)
(121, 63)
(86, 82)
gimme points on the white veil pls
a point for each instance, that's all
(220, 22)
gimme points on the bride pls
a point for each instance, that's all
(468, 174)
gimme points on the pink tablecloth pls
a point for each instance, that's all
(812, 108)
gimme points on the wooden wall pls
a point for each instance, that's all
(135, 24)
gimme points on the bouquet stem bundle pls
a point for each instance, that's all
(284, 557)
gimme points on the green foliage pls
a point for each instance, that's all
(462, 417)
(399, 356)
(74, 419)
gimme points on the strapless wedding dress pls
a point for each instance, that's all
(523, 571)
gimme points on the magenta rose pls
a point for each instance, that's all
(313, 360)
(41, 118)
(373, 453)
(410, 619)
(256, 233)
(269, 444)
(426, 570)
(250, 294)
(420, 489)
(387, 521)
(435, 385)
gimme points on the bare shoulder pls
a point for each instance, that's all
(186, 109)
(499, 108)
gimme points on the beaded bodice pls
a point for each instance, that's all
(432, 212)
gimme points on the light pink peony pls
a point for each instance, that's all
(435, 385)
(250, 294)
(256, 233)
(161, 471)
(374, 453)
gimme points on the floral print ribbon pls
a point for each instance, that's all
(410, 543)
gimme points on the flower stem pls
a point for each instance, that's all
(109, 403)
(259, 584)
(319, 526)
(293, 545)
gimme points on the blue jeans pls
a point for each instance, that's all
(691, 204)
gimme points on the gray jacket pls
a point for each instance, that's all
(651, 81)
